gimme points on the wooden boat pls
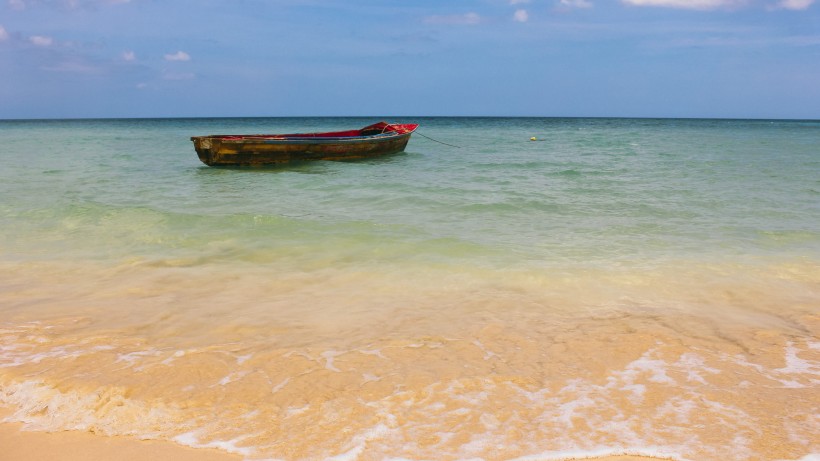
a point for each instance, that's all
(265, 149)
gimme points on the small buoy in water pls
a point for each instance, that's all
(533, 138)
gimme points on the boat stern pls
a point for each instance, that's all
(204, 148)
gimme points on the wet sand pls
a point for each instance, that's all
(370, 366)
(19, 445)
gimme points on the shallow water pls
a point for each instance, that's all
(618, 286)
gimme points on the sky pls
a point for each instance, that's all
(552, 58)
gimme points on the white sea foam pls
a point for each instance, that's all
(567, 455)
(131, 358)
(231, 446)
(569, 410)
(235, 376)
(359, 443)
(637, 391)
(107, 411)
(655, 368)
(295, 411)
(280, 386)
(329, 357)
(173, 357)
(809, 457)
(797, 365)
(578, 403)
(192, 439)
(19, 356)
(796, 374)
(376, 352)
(188, 439)
(251, 414)
(487, 353)
(679, 408)
(694, 366)
(370, 378)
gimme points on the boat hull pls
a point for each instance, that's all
(258, 150)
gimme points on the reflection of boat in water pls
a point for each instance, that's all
(265, 149)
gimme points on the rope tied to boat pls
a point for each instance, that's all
(423, 136)
(435, 140)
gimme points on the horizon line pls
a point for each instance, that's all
(602, 117)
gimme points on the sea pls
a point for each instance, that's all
(647, 287)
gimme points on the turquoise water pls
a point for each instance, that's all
(589, 191)
(618, 286)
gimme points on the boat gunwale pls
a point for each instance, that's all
(302, 138)
(273, 139)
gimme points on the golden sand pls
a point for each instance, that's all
(372, 366)
(17, 445)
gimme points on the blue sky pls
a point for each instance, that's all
(179, 58)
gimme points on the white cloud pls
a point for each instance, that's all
(128, 56)
(794, 4)
(521, 16)
(576, 4)
(41, 40)
(17, 5)
(178, 56)
(3, 34)
(518, 2)
(468, 18)
(687, 4)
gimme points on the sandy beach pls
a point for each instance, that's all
(20, 445)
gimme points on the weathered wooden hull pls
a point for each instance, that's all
(258, 150)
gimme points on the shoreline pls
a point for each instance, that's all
(21, 445)
(605, 382)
